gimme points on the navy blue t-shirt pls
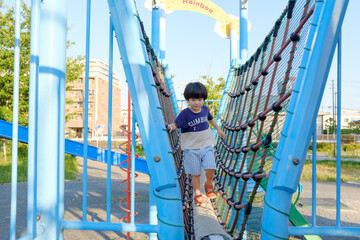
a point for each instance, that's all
(188, 121)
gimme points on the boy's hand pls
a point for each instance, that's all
(221, 134)
(171, 127)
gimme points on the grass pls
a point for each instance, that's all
(71, 166)
(326, 171)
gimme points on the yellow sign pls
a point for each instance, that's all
(205, 7)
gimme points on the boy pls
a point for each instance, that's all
(197, 139)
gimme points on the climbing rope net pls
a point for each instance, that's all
(256, 104)
(168, 110)
(254, 110)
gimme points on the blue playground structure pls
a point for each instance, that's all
(268, 111)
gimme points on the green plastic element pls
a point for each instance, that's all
(295, 217)
(298, 195)
(298, 220)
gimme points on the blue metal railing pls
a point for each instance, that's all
(14, 173)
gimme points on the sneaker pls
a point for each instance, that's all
(198, 199)
(209, 189)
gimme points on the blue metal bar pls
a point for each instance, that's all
(243, 34)
(162, 30)
(86, 108)
(50, 129)
(170, 86)
(326, 231)
(14, 159)
(233, 46)
(132, 167)
(150, 119)
(313, 208)
(102, 226)
(33, 96)
(108, 179)
(225, 97)
(338, 136)
(152, 209)
(60, 212)
(155, 30)
(303, 108)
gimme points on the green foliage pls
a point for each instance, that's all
(71, 166)
(140, 151)
(326, 171)
(215, 90)
(330, 126)
(7, 45)
(7, 35)
(353, 128)
(350, 150)
(322, 147)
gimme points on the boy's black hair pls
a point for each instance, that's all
(195, 90)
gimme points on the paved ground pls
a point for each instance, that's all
(326, 202)
(350, 211)
(96, 210)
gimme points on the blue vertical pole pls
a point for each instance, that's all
(61, 137)
(243, 33)
(150, 120)
(132, 167)
(152, 209)
(109, 160)
(338, 136)
(170, 86)
(86, 109)
(162, 34)
(15, 126)
(224, 99)
(233, 45)
(155, 30)
(51, 117)
(313, 208)
(33, 96)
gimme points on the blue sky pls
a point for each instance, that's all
(193, 49)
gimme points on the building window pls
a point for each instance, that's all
(346, 120)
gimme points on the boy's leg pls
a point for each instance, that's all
(210, 173)
(196, 184)
(192, 166)
(208, 162)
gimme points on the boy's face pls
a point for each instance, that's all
(195, 104)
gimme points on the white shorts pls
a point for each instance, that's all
(195, 158)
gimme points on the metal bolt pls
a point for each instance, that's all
(37, 217)
(296, 161)
(157, 158)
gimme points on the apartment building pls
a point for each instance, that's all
(98, 103)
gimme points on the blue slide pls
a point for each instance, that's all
(77, 149)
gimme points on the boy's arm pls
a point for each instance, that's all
(216, 126)
(172, 127)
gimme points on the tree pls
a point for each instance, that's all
(330, 126)
(354, 127)
(7, 34)
(215, 90)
